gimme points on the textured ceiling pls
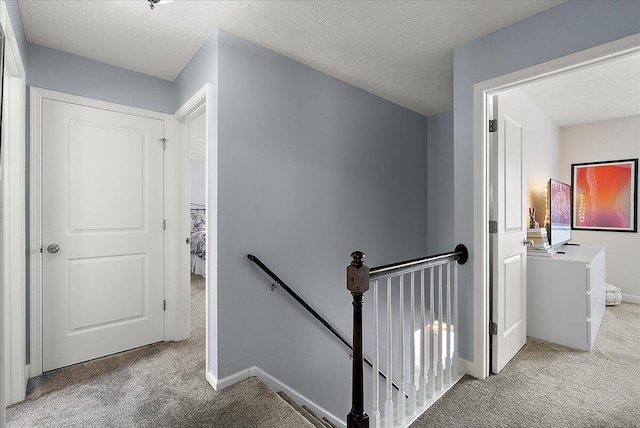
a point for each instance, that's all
(399, 50)
(601, 92)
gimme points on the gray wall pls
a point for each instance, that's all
(554, 33)
(310, 169)
(60, 71)
(440, 224)
(16, 22)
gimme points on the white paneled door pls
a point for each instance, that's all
(508, 250)
(102, 174)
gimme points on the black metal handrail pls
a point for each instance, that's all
(460, 254)
(312, 311)
(299, 299)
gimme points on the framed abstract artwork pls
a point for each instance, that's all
(605, 196)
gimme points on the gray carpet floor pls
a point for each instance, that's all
(161, 385)
(548, 385)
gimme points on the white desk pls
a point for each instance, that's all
(566, 296)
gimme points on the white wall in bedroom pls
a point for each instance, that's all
(541, 150)
(197, 181)
(197, 148)
(542, 140)
(601, 141)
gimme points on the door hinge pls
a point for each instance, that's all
(493, 125)
(493, 328)
(41, 248)
(493, 226)
(164, 305)
(164, 143)
(164, 224)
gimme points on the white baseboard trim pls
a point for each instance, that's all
(275, 385)
(27, 371)
(465, 366)
(471, 368)
(630, 298)
(430, 401)
(220, 384)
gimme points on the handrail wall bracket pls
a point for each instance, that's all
(464, 253)
(279, 283)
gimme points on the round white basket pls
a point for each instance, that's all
(613, 295)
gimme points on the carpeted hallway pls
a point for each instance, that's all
(161, 385)
(552, 386)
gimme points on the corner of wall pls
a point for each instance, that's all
(201, 69)
(15, 16)
(440, 179)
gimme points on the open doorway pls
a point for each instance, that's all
(198, 225)
(177, 364)
(520, 85)
(196, 154)
(197, 202)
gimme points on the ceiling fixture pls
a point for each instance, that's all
(153, 3)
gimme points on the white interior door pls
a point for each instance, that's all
(508, 251)
(103, 288)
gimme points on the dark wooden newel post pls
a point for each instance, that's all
(357, 284)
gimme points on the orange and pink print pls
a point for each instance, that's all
(605, 195)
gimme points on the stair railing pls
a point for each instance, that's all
(438, 361)
(312, 311)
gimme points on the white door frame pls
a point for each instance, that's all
(201, 101)
(481, 91)
(172, 323)
(13, 216)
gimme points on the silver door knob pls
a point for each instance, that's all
(53, 248)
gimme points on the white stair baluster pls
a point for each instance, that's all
(447, 361)
(432, 336)
(375, 408)
(402, 403)
(440, 374)
(454, 330)
(432, 331)
(388, 405)
(412, 349)
(423, 343)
